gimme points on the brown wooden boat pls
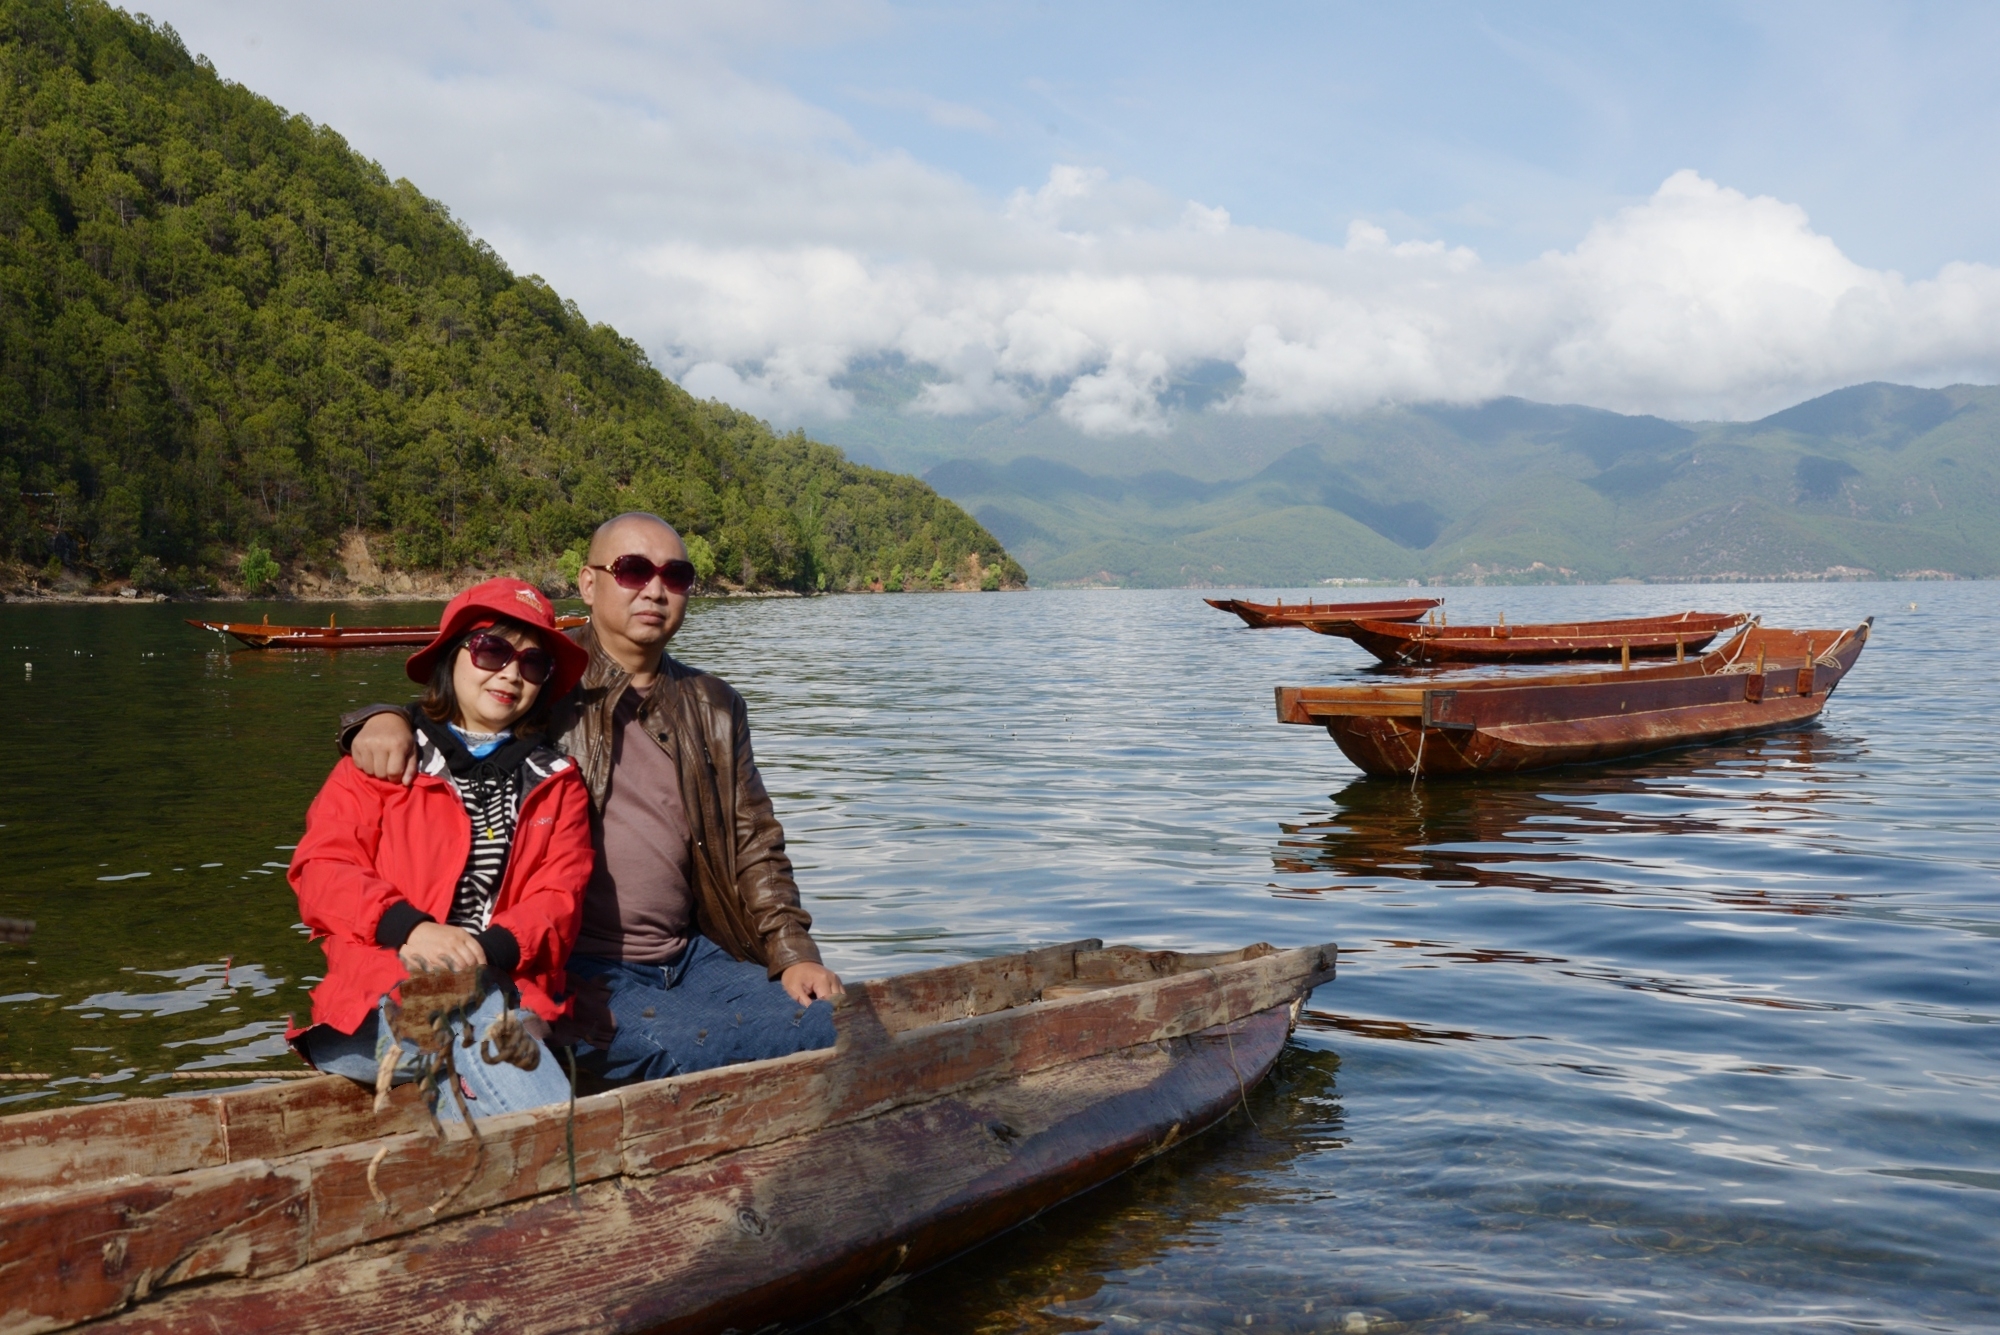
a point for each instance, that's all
(1264, 616)
(1760, 681)
(264, 635)
(957, 1103)
(1574, 641)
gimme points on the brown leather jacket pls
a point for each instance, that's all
(745, 898)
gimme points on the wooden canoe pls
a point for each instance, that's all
(1575, 641)
(1761, 681)
(264, 635)
(1263, 616)
(957, 1103)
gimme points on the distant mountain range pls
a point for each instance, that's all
(1876, 480)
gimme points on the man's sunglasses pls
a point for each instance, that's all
(636, 572)
(490, 653)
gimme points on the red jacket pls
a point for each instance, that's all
(369, 844)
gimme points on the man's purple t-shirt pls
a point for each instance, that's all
(639, 906)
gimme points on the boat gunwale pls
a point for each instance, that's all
(1231, 604)
(1689, 620)
(1316, 704)
(864, 1028)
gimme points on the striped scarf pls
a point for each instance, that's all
(490, 788)
(492, 801)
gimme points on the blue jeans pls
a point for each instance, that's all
(702, 1011)
(489, 1090)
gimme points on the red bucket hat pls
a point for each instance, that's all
(482, 605)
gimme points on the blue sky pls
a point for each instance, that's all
(1698, 209)
(1506, 127)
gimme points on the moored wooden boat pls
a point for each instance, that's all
(264, 635)
(1642, 637)
(1763, 680)
(1262, 616)
(957, 1103)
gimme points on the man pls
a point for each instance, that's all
(693, 937)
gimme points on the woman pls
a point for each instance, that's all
(479, 864)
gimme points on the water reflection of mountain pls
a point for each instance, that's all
(1570, 831)
(1105, 1251)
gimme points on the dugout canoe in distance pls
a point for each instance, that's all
(264, 635)
(1576, 641)
(1763, 680)
(957, 1103)
(1268, 616)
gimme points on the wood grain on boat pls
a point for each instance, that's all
(1763, 680)
(956, 1103)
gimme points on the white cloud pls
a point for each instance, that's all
(759, 247)
(1701, 301)
(939, 112)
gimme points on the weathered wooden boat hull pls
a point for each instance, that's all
(1762, 681)
(1393, 747)
(1587, 641)
(772, 1236)
(958, 1102)
(1267, 616)
(336, 637)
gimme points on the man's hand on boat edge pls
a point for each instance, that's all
(807, 983)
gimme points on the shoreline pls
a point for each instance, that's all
(153, 599)
(726, 595)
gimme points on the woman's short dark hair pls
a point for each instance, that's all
(440, 699)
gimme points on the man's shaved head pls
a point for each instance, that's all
(633, 625)
(603, 541)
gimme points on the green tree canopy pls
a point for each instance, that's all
(221, 327)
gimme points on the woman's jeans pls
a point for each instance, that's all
(489, 1090)
(705, 1009)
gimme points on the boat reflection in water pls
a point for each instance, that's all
(1119, 1258)
(1625, 832)
(1545, 832)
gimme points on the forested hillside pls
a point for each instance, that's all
(221, 330)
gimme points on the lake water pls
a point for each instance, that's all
(1699, 1041)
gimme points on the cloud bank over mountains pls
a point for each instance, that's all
(758, 246)
(1699, 302)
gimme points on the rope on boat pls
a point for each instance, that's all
(1417, 768)
(1242, 1094)
(569, 1124)
(374, 1190)
(451, 1077)
(385, 1075)
(508, 1040)
(435, 1018)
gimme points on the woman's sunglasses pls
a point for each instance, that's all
(490, 653)
(636, 572)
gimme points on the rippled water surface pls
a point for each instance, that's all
(1702, 1040)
